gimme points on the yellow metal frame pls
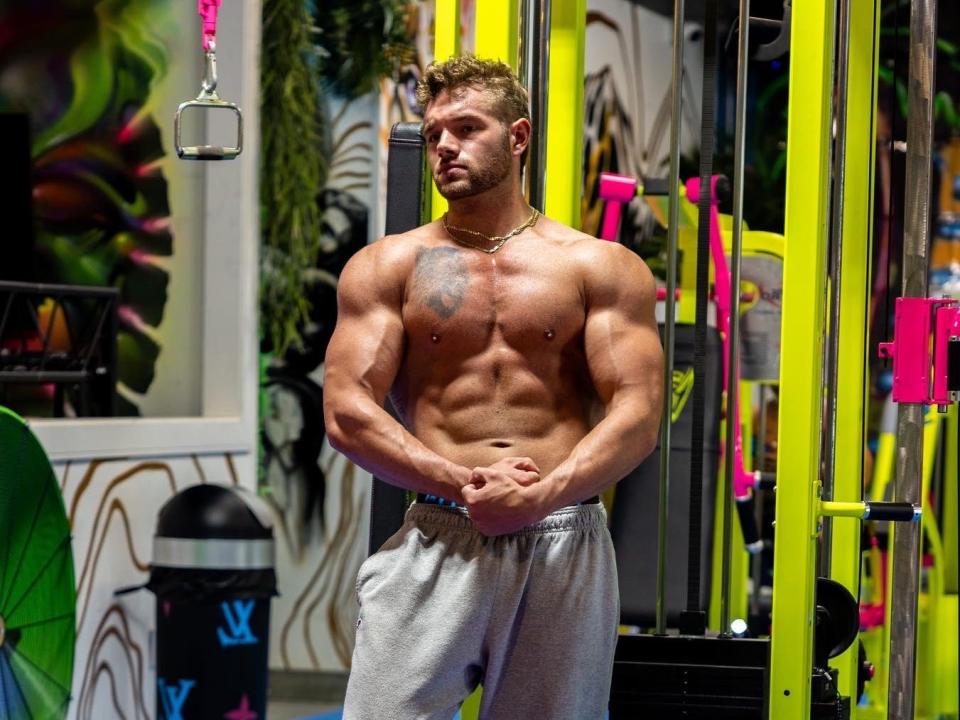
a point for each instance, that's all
(446, 44)
(497, 30)
(496, 36)
(852, 368)
(937, 653)
(804, 290)
(564, 172)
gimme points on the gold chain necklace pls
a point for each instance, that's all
(498, 240)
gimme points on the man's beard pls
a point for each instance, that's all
(482, 178)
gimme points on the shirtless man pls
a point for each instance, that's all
(497, 332)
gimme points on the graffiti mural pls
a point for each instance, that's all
(84, 72)
(111, 507)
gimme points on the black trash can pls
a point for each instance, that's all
(213, 575)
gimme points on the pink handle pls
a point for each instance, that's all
(616, 190)
(620, 189)
(743, 481)
(208, 15)
(662, 294)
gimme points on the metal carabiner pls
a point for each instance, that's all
(208, 85)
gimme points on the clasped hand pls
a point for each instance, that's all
(503, 498)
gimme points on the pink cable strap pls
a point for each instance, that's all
(208, 14)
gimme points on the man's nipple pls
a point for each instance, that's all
(434, 338)
(549, 334)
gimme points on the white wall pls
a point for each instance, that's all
(115, 474)
(639, 55)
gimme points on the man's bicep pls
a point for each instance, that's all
(623, 354)
(365, 352)
(366, 349)
(621, 338)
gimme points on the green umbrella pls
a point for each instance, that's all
(37, 592)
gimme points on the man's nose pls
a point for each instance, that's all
(447, 145)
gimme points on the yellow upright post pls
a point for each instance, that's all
(565, 111)
(446, 44)
(804, 290)
(852, 375)
(497, 31)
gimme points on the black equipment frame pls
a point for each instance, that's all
(27, 355)
(405, 208)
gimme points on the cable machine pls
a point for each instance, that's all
(819, 495)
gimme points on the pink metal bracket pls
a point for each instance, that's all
(743, 480)
(923, 331)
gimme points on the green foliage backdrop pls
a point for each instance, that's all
(292, 168)
(342, 47)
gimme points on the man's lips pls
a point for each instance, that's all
(444, 169)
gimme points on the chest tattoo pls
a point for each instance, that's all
(440, 280)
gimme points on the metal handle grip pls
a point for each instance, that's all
(748, 523)
(874, 510)
(765, 480)
(207, 152)
(893, 511)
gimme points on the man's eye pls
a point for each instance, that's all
(468, 128)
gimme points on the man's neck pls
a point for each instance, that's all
(490, 213)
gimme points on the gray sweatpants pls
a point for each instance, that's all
(532, 616)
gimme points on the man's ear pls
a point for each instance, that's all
(520, 136)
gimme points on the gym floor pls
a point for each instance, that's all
(277, 710)
(289, 710)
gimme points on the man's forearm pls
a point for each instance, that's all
(374, 440)
(614, 447)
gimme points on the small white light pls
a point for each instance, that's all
(739, 627)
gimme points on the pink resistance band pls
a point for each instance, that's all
(208, 14)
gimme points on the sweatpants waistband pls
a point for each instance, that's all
(443, 502)
(577, 517)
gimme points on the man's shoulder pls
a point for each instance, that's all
(380, 270)
(593, 254)
(608, 270)
(392, 253)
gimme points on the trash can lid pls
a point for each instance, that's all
(214, 511)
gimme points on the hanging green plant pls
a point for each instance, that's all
(361, 41)
(344, 46)
(292, 171)
(894, 39)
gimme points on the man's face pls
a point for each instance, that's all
(468, 147)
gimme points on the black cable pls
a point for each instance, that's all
(707, 140)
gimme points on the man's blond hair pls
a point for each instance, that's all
(496, 78)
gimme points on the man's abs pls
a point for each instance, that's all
(474, 419)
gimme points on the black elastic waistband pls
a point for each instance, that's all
(442, 502)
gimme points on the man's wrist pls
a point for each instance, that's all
(543, 496)
(458, 477)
